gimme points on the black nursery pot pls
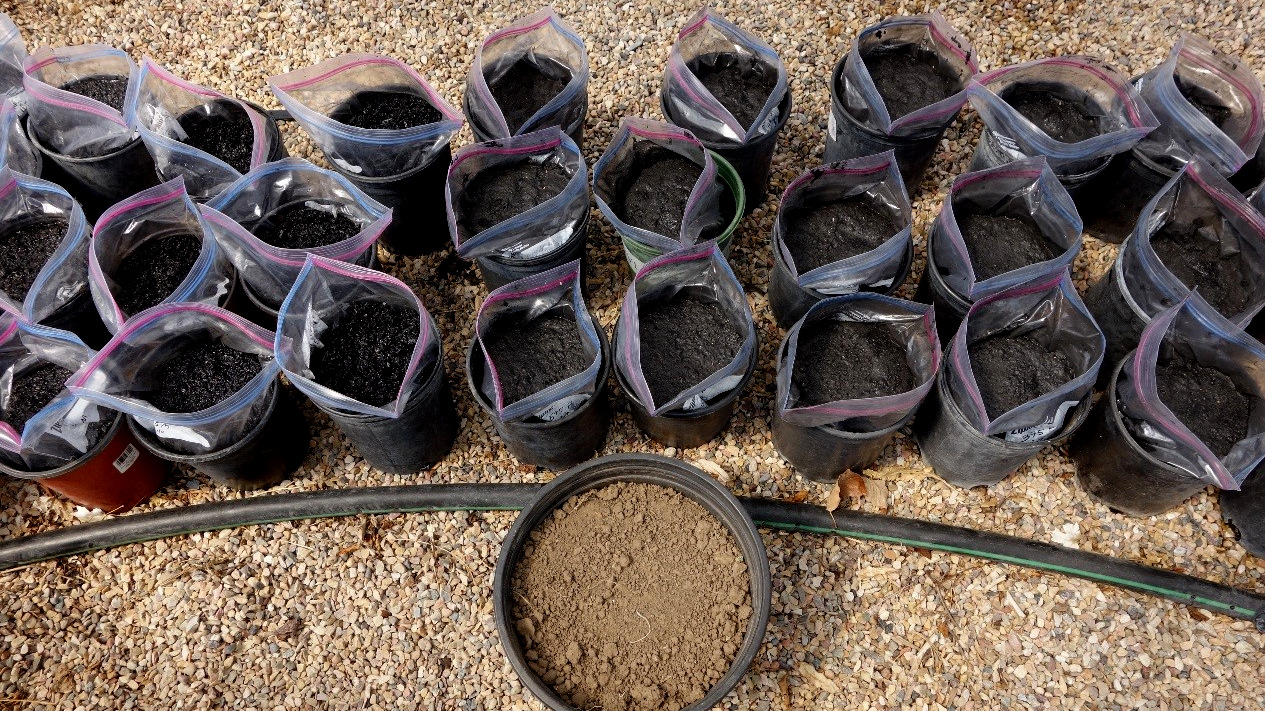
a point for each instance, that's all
(753, 161)
(421, 436)
(685, 430)
(1117, 195)
(964, 457)
(640, 469)
(1118, 315)
(790, 301)
(847, 138)
(1114, 469)
(1079, 183)
(276, 150)
(499, 271)
(419, 217)
(80, 317)
(99, 182)
(1244, 511)
(554, 445)
(481, 134)
(950, 307)
(267, 454)
(823, 453)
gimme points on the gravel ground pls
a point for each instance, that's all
(395, 611)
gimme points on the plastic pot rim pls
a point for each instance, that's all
(721, 402)
(784, 106)
(836, 78)
(150, 441)
(1117, 421)
(951, 298)
(581, 232)
(1071, 424)
(63, 158)
(673, 474)
(98, 448)
(436, 371)
(897, 282)
(482, 136)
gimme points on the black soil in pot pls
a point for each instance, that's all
(824, 234)
(1060, 118)
(225, 132)
(387, 110)
(847, 360)
(631, 596)
(108, 89)
(366, 352)
(741, 84)
(31, 392)
(909, 77)
(526, 87)
(1206, 401)
(683, 341)
(532, 356)
(202, 374)
(500, 192)
(1002, 243)
(1011, 371)
(1208, 103)
(298, 226)
(24, 249)
(152, 271)
(1195, 258)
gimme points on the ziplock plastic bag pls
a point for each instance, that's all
(548, 293)
(161, 211)
(1050, 311)
(636, 137)
(16, 151)
(1257, 198)
(12, 55)
(323, 291)
(270, 271)
(1197, 197)
(61, 431)
(1026, 188)
(536, 231)
(68, 123)
(700, 270)
(876, 177)
(547, 43)
(912, 323)
(158, 100)
(316, 95)
(1191, 329)
(930, 33)
(1104, 93)
(1185, 133)
(125, 371)
(24, 199)
(709, 39)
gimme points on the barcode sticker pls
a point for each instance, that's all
(127, 458)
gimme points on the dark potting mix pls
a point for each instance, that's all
(1012, 370)
(849, 360)
(1208, 103)
(1060, 118)
(24, 249)
(299, 226)
(1192, 252)
(366, 351)
(1206, 400)
(108, 89)
(526, 87)
(683, 341)
(152, 271)
(632, 597)
(824, 234)
(909, 77)
(998, 244)
(532, 356)
(387, 110)
(741, 84)
(31, 392)
(656, 190)
(225, 133)
(200, 375)
(500, 192)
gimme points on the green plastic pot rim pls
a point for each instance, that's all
(673, 474)
(106, 439)
(728, 174)
(603, 374)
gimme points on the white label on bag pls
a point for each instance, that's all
(127, 458)
(832, 126)
(1041, 432)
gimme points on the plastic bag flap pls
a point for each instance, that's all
(68, 123)
(64, 276)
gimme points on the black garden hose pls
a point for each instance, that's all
(777, 515)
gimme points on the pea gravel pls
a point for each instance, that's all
(395, 612)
